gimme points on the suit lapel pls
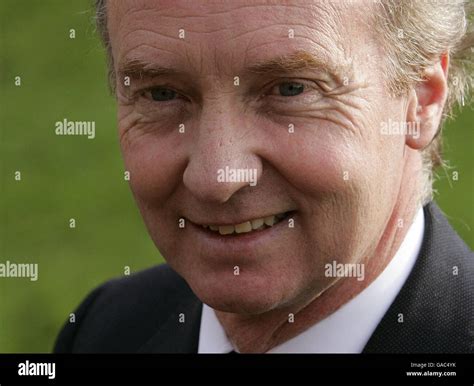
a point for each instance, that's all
(180, 332)
(434, 309)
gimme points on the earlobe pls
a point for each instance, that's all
(425, 105)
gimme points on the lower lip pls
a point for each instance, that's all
(239, 244)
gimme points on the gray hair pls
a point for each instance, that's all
(415, 34)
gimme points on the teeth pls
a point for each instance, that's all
(226, 229)
(244, 227)
(248, 226)
(270, 220)
(257, 223)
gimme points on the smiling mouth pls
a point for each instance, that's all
(254, 225)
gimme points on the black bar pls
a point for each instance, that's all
(293, 369)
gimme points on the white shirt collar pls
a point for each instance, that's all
(349, 328)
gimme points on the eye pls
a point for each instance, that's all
(162, 94)
(288, 89)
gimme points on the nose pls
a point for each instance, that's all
(222, 160)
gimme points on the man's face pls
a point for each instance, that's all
(292, 90)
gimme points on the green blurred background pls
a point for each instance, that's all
(67, 177)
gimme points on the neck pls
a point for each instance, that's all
(260, 333)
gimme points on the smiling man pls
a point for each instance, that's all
(335, 245)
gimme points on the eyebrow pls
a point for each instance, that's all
(137, 68)
(297, 61)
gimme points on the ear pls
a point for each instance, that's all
(426, 103)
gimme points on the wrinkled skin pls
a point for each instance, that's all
(346, 182)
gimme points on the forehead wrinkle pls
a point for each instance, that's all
(325, 32)
(134, 63)
(251, 5)
(269, 16)
(128, 46)
(151, 32)
(127, 56)
(326, 13)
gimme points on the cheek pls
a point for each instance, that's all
(153, 161)
(320, 160)
(339, 176)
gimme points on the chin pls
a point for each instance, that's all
(249, 305)
(247, 297)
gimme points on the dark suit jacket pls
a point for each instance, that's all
(141, 312)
